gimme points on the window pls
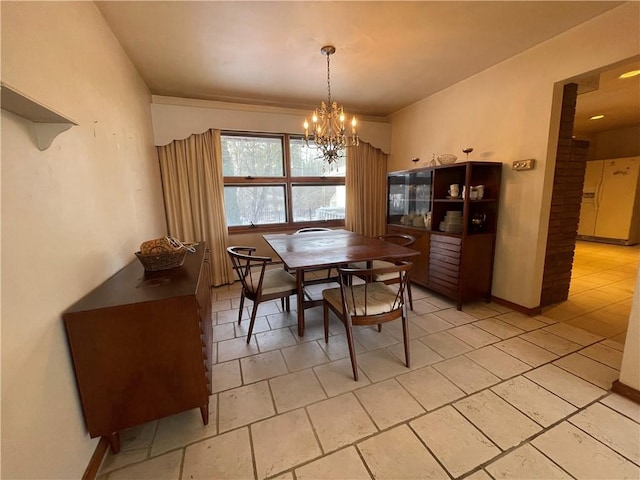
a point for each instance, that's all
(276, 180)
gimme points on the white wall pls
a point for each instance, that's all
(630, 368)
(506, 113)
(72, 216)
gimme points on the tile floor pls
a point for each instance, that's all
(491, 394)
(602, 284)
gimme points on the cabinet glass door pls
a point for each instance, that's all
(409, 198)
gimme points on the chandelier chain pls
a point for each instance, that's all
(328, 80)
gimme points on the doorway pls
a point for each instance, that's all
(589, 284)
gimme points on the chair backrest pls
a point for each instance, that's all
(401, 239)
(249, 268)
(370, 300)
(313, 229)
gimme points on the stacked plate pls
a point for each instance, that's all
(452, 222)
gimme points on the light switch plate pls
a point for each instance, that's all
(524, 164)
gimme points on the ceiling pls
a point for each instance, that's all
(389, 54)
(615, 98)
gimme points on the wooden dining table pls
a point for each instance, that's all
(328, 249)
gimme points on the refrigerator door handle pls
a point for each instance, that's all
(598, 195)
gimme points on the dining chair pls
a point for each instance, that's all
(259, 283)
(368, 303)
(311, 230)
(404, 240)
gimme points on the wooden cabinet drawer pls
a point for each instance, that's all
(420, 270)
(444, 264)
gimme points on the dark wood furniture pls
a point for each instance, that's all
(258, 283)
(331, 250)
(368, 303)
(458, 265)
(141, 345)
(390, 278)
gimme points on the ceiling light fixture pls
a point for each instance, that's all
(329, 133)
(632, 73)
(596, 117)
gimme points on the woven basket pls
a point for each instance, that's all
(162, 261)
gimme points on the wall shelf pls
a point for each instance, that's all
(46, 123)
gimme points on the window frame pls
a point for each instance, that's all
(287, 181)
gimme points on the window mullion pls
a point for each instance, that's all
(287, 173)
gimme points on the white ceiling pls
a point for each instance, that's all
(389, 54)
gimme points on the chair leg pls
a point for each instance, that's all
(254, 311)
(240, 308)
(325, 312)
(287, 302)
(405, 336)
(352, 352)
(379, 327)
(410, 296)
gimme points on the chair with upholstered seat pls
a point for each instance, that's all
(311, 230)
(259, 283)
(368, 303)
(401, 239)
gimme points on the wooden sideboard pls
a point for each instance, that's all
(141, 346)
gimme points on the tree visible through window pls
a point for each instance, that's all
(278, 180)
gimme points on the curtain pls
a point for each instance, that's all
(366, 185)
(193, 190)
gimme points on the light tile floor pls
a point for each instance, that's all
(602, 283)
(491, 394)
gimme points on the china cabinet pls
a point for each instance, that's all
(455, 234)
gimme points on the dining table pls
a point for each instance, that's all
(328, 249)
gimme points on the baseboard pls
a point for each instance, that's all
(626, 391)
(96, 459)
(518, 308)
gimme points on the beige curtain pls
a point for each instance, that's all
(366, 182)
(193, 189)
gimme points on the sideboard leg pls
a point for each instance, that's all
(204, 411)
(114, 442)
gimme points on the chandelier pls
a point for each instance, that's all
(328, 132)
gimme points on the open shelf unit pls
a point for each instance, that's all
(455, 259)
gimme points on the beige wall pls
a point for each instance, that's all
(630, 368)
(619, 143)
(72, 215)
(506, 113)
(176, 118)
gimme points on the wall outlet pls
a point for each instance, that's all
(524, 164)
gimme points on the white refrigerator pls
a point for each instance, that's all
(610, 208)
